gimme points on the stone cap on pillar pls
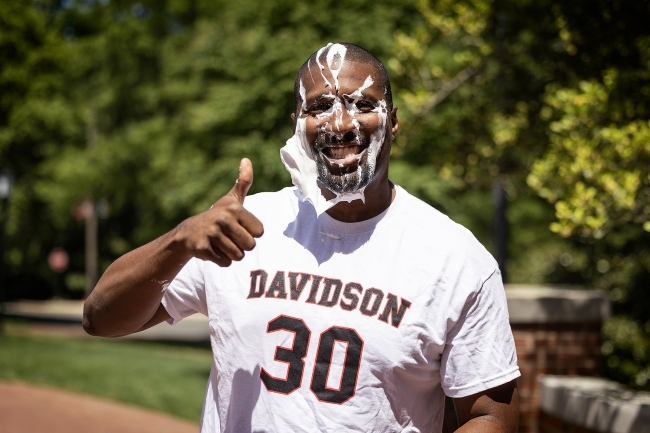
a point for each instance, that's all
(559, 304)
(594, 403)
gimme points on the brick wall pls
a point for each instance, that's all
(552, 348)
(557, 331)
(546, 348)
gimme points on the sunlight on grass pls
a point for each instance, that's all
(162, 377)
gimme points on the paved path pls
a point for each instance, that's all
(33, 409)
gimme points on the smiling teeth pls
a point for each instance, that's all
(342, 152)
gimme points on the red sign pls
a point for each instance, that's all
(58, 260)
(83, 210)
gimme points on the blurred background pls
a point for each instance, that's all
(526, 121)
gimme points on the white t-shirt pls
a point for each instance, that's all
(346, 327)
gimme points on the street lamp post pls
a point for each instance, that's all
(6, 185)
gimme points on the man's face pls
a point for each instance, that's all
(347, 124)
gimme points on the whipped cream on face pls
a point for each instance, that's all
(321, 68)
(358, 94)
(335, 56)
(298, 154)
(303, 96)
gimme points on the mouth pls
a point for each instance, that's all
(345, 151)
(343, 155)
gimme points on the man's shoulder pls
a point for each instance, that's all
(418, 214)
(421, 208)
(433, 230)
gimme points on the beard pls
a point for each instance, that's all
(346, 181)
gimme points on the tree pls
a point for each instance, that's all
(150, 104)
(551, 98)
(35, 118)
(175, 93)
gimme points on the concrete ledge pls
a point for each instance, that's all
(597, 404)
(55, 310)
(191, 329)
(545, 304)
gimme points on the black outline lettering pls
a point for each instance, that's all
(366, 300)
(391, 309)
(314, 289)
(297, 288)
(323, 363)
(327, 287)
(277, 285)
(254, 274)
(351, 296)
(293, 356)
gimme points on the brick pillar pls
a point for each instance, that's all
(556, 331)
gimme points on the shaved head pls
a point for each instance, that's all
(354, 53)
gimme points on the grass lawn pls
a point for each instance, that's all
(164, 377)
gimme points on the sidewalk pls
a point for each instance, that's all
(66, 316)
(34, 409)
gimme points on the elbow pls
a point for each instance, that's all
(89, 321)
(88, 327)
(101, 319)
(96, 320)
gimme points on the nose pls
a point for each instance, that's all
(331, 138)
(341, 122)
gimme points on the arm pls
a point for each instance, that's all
(494, 410)
(127, 296)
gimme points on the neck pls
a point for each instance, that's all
(379, 195)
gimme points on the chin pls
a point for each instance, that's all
(346, 183)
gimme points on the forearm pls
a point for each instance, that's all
(129, 292)
(127, 297)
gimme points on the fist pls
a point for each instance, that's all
(225, 231)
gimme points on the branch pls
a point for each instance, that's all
(447, 88)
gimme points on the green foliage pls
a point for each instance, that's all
(35, 119)
(469, 97)
(627, 348)
(149, 105)
(596, 172)
(160, 377)
(551, 98)
(597, 176)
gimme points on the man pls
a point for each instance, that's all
(342, 304)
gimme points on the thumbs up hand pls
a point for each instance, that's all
(244, 181)
(223, 233)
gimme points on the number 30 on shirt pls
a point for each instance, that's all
(295, 357)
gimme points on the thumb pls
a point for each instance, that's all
(244, 181)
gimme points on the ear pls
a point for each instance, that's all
(293, 119)
(394, 122)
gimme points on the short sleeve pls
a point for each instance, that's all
(479, 353)
(185, 295)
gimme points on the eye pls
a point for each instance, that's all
(320, 107)
(365, 106)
